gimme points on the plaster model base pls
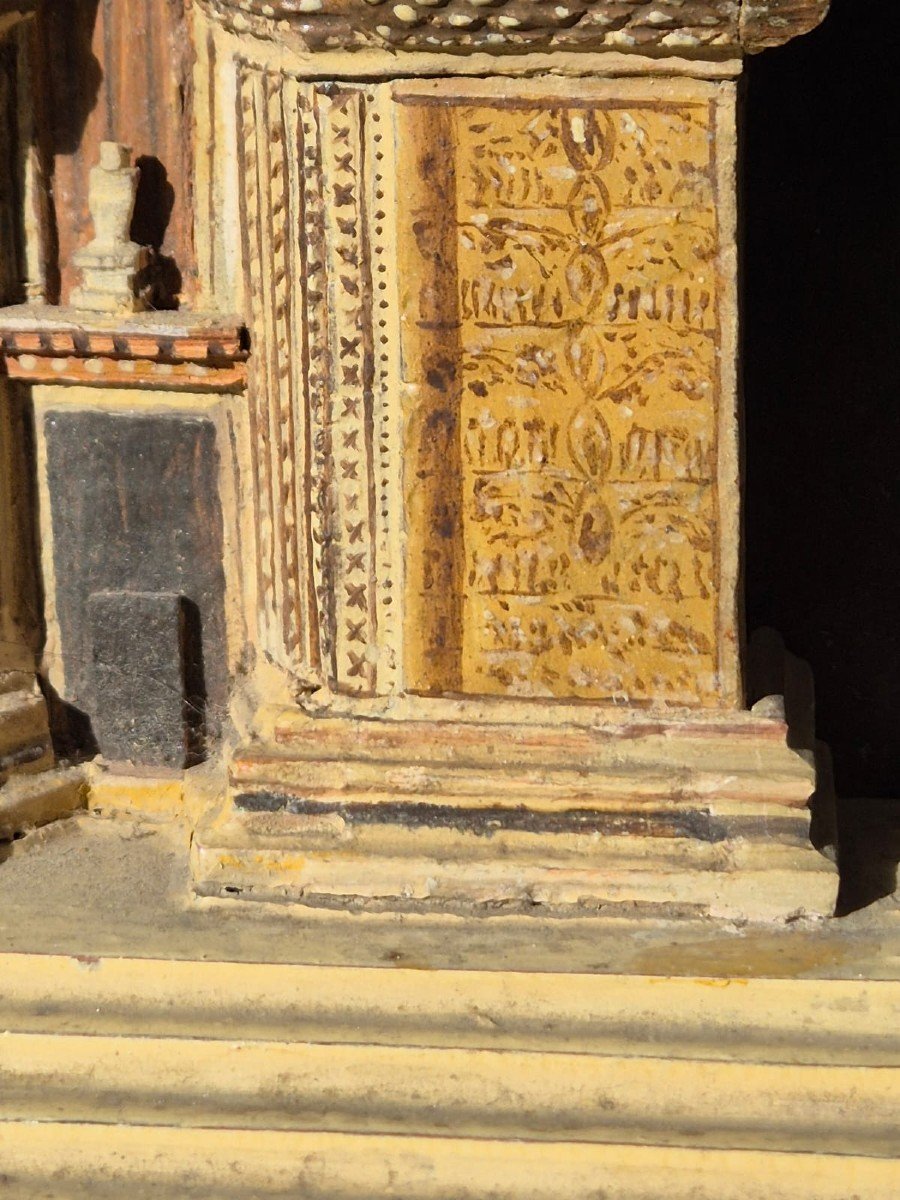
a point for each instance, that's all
(149, 1052)
(696, 814)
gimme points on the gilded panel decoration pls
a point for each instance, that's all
(561, 291)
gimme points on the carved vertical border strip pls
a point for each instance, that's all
(280, 271)
(350, 549)
(723, 109)
(252, 255)
(381, 186)
(303, 254)
(316, 368)
(270, 222)
(308, 196)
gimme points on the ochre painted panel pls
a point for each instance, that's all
(561, 294)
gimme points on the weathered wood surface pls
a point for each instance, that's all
(119, 70)
(691, 27)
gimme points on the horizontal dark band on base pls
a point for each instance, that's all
(695, 824)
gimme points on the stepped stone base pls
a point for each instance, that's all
(32, 791)
(24, 733)
(29, 801)
(706, 815)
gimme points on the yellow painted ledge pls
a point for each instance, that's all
(786, 1021)
(441, 1091)
(217, 1080)
(93, 1162)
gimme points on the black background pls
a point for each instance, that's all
(821, 342)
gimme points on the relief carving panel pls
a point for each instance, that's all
(554, 266)
(560, 286)
(307, 254)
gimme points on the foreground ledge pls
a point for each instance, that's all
(79, 1161)
(146, 1049)
(184, 1079)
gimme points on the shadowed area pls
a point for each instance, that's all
(821, 212)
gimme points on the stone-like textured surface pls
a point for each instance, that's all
(135, 507)
(136, 686)
(711, 27)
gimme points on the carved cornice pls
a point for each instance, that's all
(766, 23)
(684, 27)
(171, 351)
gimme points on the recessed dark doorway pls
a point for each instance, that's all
(821, 206)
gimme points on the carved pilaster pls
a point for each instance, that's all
(307, 250)
(491, 261)
(280, 432)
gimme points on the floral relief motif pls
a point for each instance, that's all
(586, 285)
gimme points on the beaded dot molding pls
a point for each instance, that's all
(201, 360)
(685, 27)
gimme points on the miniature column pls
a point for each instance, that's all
(111, 264)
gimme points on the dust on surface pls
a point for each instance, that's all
(120, 885)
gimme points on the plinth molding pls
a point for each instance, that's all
(695, 815)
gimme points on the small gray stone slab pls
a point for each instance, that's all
(137, 677)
